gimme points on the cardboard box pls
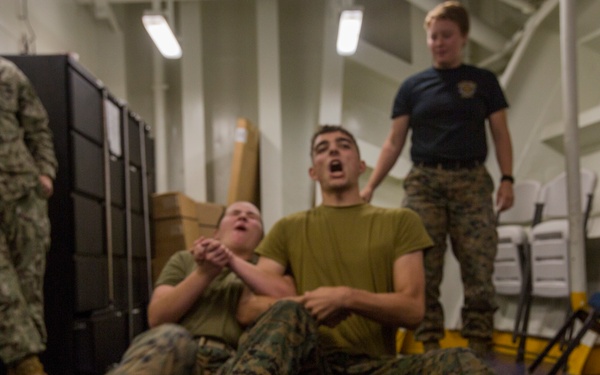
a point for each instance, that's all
(157, 265)
(209, 213)
(176, 230)
(174, 234)
(170, 246)
(173, 204)
(207, 231)
(243, 184)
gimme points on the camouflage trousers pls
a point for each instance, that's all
(284, 340)
(24, 242)
(457, 203)
(170, 349)
(276, 344)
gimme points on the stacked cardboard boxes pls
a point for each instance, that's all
(244, 180)
(178, 221)
(208, 215)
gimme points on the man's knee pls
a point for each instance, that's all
(291, 309)
(164, 333)
(285, 319)
(168, 348)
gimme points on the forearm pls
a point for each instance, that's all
(502, 142)
(168, 305)
(390, 151)
(391, 309)
(504, 157)
(251, 307)
(262, 282)
(387, 159)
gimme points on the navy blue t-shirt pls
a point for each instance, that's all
(448, 109)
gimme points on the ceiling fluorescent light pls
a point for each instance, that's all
(349, 31)
(157, 26)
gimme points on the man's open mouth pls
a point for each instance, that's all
(335, 166)
(240, 227)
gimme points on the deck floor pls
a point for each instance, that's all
(505, 364)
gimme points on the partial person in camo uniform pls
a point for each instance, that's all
(193, 308)
(27, 169)
(447, 107)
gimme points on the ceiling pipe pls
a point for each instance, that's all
(528, 31)
(521, 5)
(508, 48)
(103, 10)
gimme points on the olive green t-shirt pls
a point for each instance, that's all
(213, 314)
(354, 246)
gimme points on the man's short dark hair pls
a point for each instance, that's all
(324, 129)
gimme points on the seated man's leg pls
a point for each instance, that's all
(166, 349)
(448, 361)
(282, 341)
(452, 361)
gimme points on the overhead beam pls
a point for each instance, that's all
(380, 61)
(370, 153)
(521, 5)
(529, 30)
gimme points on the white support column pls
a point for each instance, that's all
(568, 46)
(192, 101)
(160, 133)
(269, 112)
(332, 74)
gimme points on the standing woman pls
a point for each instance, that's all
(447, 106)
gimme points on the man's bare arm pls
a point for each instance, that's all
(405, 307)
(265, 278)
(251, 306)
(170, 303)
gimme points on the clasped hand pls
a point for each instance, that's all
(210, 255)
(326, 304)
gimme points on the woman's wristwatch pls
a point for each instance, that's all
(507, 177)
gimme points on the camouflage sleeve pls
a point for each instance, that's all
(38, 136)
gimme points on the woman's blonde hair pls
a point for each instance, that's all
(449, 10)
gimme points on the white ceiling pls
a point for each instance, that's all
(497, 26)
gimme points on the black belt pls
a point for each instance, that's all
(450, 164)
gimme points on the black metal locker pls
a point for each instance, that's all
(117, 181)
(85, 105)
(119, 242)
(99, 231)
(89, 225)
(101, 340)
(135, 148)
(91, 283)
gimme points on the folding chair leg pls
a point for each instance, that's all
(524, 299)
(519, 334)
(552, 342)
(523, 295)
(523, 334)
(522, 324)
(562, 361)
